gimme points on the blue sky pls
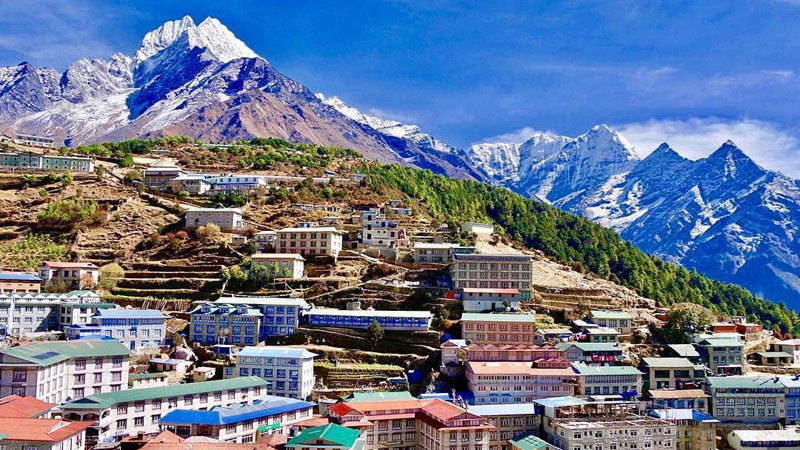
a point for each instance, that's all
(691, 73)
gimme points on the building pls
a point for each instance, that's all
(551, 335)
(453, 355)
(777, 359)
(694, 399)
(722, 355)
(309, 241)
(623, 431)
(792, 385)
(530, 442)
(290, 265)
(290, 371)
(239, 184)
(20, 282)
(498, 328)
(24, 314)
(159, 178)
(21, 159)
(203, 373)
(477, 228)
(785, 439)
(417, 424)
(378, 231)
(619, 320)
(146, 380)
(517, 382)
(193, 183)
(790, 346)
(238, 423)
(32, 140)
(493, 271)
(670, 373)
(137, 329)
(511, 422)
(591, 352)
(624, 382)
(245, 320)
(166, 440)
(694, 430)
(747, 399)
(59, 371)
(115, 414)
(688, 351)
(227, 219)
(433, 253)
(22, 433)
(76, 275)
(531, 353)
(330, 436)
(480, 299)
(67, 163)
(363, 318)
(599, 334)
(25, 407)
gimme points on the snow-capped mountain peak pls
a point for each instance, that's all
(160, 38)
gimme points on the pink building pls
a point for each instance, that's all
(517, 382)
(309, 241)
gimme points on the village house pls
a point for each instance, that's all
(477, 228)
(244, 320)
(452, 353)
(517, 382)
(239, 184)
(137, 329)
(619, 320)
(688, 351)
(493, 271)
(498, 328)
(204, 373)
(116, 414)
(694, 430)
(33, 140)
(538, 354)
(433, 253)
(530, 442)
(378, 231)
(695, 399)
(290, 371)
(309, 241)
(623, 382)
(670, 373)
(783, 439)
(20, 282)
(591, 352)
(747, 399)
(159, 178)
(146, 380)
(26, 407)
(722, 356)
(789, 346)
(488, 299)
(363, 318)
(57, 371)
(227, 219)
(238, 423)
(23, 314)
(76, 275)
(551, 335)
(193, 183)
(290, 265)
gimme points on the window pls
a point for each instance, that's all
(138, 422)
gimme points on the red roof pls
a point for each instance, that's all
(312, 422)
(340, 409)
(16, 406)
(167, 440)
(44, 430)
(509, 347)
(514, 368)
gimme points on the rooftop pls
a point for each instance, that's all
(683, 414)
(677, 393)
(47, 353)
(68, 265)
(19, 276)
(107, 399)
(505, 318)
(668, 362)
(269, 256)
(228, 210)
(685, 350)
(266, 301)
(431, 245)
(585, 369)
(367, 313)
(514, 368)
(721, 342)
(774, 355)
(363, 396)
(607, 314)
(311, 230)
(744, 382)
(39, 430)
(264, 407)
(560, 402)
(276, 352)
(503, 409)
(528, 442)
(787, 434)
(592, 346)
(491, 290)
(124, 313)
(339, 437)
(16, 406)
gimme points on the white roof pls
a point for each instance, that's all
(434, 245)
(367, 313)
(270, 256)
(231, 210)
(768, 435)
(276, 301)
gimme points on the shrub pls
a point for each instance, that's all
(133, 175)
(183, 194)
(68, 212)
(66, 179)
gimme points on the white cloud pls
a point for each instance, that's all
(694, 138)
(517, 136)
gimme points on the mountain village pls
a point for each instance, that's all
(178, 321)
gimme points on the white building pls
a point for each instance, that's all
(785, 439)
(23, 314)
(431, 252)
(32, 140)
(137, 329)
(159, 178)
(486, 299)
(477, 228)
(60, 371)
(290, 370)
(622, 433)
(377, 231)
(77, 275)
(239, 184)
(309, 241)
(116, 414)
(193, 183)
(227, 219)
(292, 264)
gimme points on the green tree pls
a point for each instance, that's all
(686, 318)
(133, 175)
(375, 333)
(66, 179)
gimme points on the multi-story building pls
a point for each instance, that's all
(67, 163)
(530, 442)
(21, 159)
(529, 353)
(785, 439)
(238, 423)
(21, 282)
(227, 219)
(309, 241)
(694, 430)
(22, 433)
(239, 184)
(493, 271)
(694, 399)
(453, 356)
(331, 436)
(32, 140)
(592, 352)
(137, 329)
(414, 424)
(431, 252)
(619, 320)
(290, 371)
(789, 346)
(159, 178)
(792, 385)
(517, 382)
(489, 299)
(747, 399)
(290, 265)
(624, 381)
(498, 328)
(245, 320)
(378, 231)
(193, 183)
(363, 318)
(598, 334)
(77, 275)
(115, 414)
(722, 355)
(24, 314)
(59, 371)
(616, 432)
(510, 421)
(670, 373)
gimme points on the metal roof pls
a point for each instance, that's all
(340, 436)
(47, 353)
(606, 314)
(683, 414)
(276, 352)
(585, 369)
(509, 318)
(264, 407)
(123, 313)
(503, 409)
(19, 276)
(362, 396)
(367, 313)
(668, 362)
(528, 442)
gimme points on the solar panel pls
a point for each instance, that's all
(45, 355)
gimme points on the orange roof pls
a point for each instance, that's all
(16, 406)
(44, 430)
(170, 441)
(312, 422)
(341, 409)
(680, 393)
(514, 368)
(443, 410)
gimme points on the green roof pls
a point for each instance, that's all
(745, 382)
(591, 346)
(774, 355)
(721, 342)
(361, 396)
(339, 436)
(528, 442)
(682, 363)
(585, 369)
(604, 314)
(107, 399)
(47, 353)
(512, 318)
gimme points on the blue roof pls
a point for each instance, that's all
(266, 406)
(276, 352)
(122, 313)
(683, 414)
(19, 276)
